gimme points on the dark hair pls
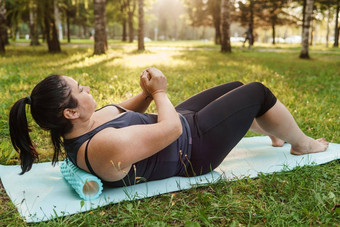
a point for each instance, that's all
(47, 101)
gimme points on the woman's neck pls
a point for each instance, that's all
(81, 127)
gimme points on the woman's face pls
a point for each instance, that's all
(86, 104)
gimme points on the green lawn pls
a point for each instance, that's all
(309, 88)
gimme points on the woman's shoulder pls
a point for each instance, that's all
(101, 118)
(113, 106)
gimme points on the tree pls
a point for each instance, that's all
(15, 10)
(247, 18)
(305, 31)
(273, 14)
(141, 25)
(263, 13)
(251, 22)
(33, 20)
(69, 12)
(100, 40)
(131, 7)
(30, 12)
(198, 12)
(76, 13)
(50, 29)
(123, 5)
(3, 27)
(214, 8)
(225, 26)
(325, 7)
(205, 13)
(337, 27)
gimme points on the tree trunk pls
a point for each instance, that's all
(217, 33)
(273, 32)
(6, 37)
(306, 26)
(43, 29)
(141, 25)
(251, 23)
(303, 13)
(131, 6)
(2, 47)
(130, 22)
(33, 23)
(50, 28)
(3, 27)
(68, 25)
(336, 30)
(122, 11)
(225, 26)
(217, 22)
(100, 40)
(328, 20)
(124, 30)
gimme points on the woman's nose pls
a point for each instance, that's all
(87, 89)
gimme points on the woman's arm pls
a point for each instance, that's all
(140, 102)
(120, 148)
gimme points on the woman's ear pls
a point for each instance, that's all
(70, 114)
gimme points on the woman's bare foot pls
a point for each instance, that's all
(276, 142)
(310, 146)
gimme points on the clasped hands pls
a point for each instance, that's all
(152, 81)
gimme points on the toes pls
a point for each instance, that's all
(323, 141)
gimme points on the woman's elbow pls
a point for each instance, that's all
(172, 128)
(178, 129)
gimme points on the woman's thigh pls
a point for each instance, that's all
(222, 124)
(202, 99)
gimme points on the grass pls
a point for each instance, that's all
(310, 89)
(196, 44)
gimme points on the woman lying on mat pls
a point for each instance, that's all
(121, 144)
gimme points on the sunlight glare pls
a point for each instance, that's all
(150, 59)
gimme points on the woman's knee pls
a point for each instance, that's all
(257, 88)
(268, 99)
(238, 83)
(256, 85)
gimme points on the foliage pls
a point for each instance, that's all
(310, 89)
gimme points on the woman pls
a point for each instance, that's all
(125, 147)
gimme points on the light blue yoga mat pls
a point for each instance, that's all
(43, 193)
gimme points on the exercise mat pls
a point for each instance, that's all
(43, 194)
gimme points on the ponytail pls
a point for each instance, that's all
(19, 132)
(47, 101)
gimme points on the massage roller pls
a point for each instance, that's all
(85, 184)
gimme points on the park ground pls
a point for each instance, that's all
(304, 196)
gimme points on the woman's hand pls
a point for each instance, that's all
(146, 93)
(154, 81)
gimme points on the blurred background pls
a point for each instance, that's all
(269, 21)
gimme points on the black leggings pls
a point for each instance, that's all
(219, 118)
